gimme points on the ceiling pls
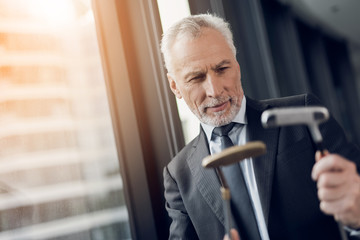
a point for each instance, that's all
(339, 17)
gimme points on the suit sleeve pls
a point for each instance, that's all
(181, 226)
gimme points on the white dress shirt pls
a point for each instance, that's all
(238, 135)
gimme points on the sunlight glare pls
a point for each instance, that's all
(54, 12)
(172, 11)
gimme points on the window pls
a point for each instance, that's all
(170, 12)
(59, 171)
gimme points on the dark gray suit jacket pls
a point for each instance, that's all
(287, 193)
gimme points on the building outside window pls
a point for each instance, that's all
(59, 171)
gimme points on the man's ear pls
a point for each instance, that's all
(173, 86)
(238, 66)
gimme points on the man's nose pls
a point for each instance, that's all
(213, 86)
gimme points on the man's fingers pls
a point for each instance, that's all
(331, 194)
(329, 163)
(340, 208)
(234, 235)
(319, 155)
(331, 180)
(338, 186)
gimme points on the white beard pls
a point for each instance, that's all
(218, 118)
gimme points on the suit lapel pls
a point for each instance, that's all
(206, 180)
(263, 165)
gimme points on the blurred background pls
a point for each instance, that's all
(87, 121)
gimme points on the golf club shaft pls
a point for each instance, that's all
(227, 209)
(226, 196)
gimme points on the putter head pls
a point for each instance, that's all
(309, 116)
(234, 154)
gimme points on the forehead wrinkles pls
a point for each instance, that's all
(189, 69)
(187, 64)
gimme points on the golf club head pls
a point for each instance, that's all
(309, 116)
(234, 154)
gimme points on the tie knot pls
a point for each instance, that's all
(223, 130)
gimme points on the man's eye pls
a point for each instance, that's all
(196, 78)
(221, 70)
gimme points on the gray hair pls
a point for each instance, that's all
(191, 26)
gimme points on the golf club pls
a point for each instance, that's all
(226, 157)
(310, 116)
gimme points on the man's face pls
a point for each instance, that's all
(207, 75)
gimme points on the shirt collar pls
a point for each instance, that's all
(239, 118)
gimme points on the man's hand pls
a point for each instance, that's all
(234, 235)
(338, 186)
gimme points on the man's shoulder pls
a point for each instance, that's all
(181, 157)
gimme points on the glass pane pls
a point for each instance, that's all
(170, 12)
(59, 172)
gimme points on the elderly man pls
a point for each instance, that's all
(281, 195)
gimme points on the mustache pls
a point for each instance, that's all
(215, 102)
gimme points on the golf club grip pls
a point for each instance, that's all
(320, 147)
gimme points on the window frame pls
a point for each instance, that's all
(146, 122)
